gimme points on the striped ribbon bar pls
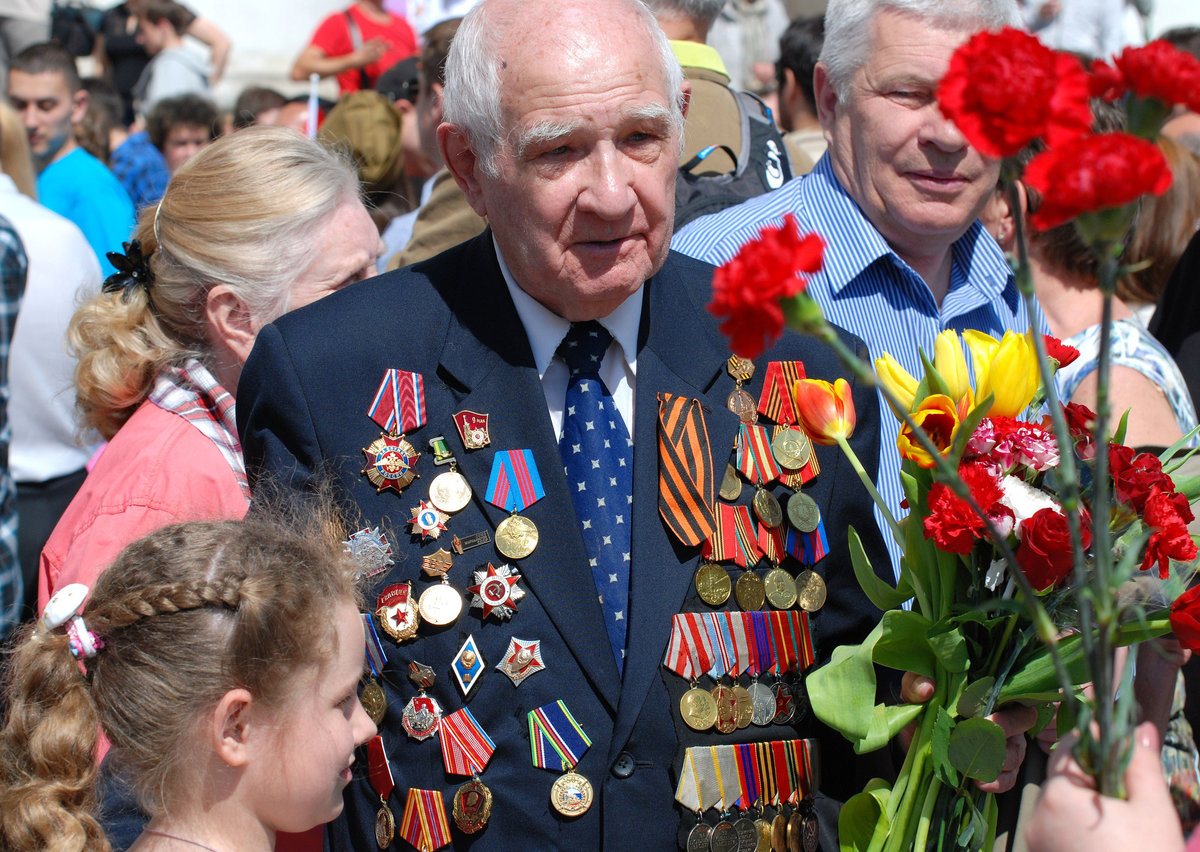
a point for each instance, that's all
(770, 543)
(690, 651)
(399, 404)
(784, 780)
(726, 763)
(781, 640)
(379, 771)
(514, 483)
(466, 747)
(766, 773)
(719, 634)
(808, 548)
(685, 469)
(747, 757)
(424, 824)
(553, 730)
(754, 457)
(376, 658)
(776, 403)
(802, 640)
(741, 643)
(762, 659)
(733, 539)
(806, 756)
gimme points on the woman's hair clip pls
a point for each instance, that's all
(133, 270)
(63, 610)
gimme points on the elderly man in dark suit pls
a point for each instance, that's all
(533, 664)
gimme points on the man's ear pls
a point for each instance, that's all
(827, 99)
(229, 727)
(464, 164)
(686, 89)
(230, 323)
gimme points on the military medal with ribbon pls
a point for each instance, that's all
(373, 698)
(790, 444)
(557, 742)
(449, 491)
(424, 823)
(380, 773)
(441, 603)
(398, 408)
(689, 654)
(515, 485)
(466, 750)
(422, 714)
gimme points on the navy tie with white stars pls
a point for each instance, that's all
(598, 463)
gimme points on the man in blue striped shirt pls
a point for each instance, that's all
(897, 196)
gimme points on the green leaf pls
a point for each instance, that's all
(933, 379)
(842, 692)
(863, 822)
(878, 591)
(977, 749)
(939, 747)
(975, 697)
(949, 646)
(904, 643)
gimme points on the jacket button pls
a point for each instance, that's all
(623, 766)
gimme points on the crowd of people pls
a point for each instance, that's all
(285, 556)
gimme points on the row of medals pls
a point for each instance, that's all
(791, 829)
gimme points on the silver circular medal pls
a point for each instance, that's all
(440, 604)
(450, 492)
(747, 834)
(698, 838)
(785, 703)
(764, 703)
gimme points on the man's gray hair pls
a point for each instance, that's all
(705, 11)
(848, 27)
(471, 97)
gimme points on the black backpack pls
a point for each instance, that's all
(762, 166)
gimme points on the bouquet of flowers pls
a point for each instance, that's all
(1030, 524)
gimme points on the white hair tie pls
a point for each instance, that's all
(63, 610)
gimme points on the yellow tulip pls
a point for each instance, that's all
(1013, 362)
(898, 381)
(951, 363)
(937, 416)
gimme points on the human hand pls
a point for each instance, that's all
(1049, 11)
(1071, 816)
(1014, 721)
(371, 50)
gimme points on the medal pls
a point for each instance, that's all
(750, 592)
(766, 507)
(372, 697)
(436, 564)
(743, 706)
(440, 604)
(522, 659)
(397, 613)
(557, 742)
(803, 512)
(450, 492)
(496, 592)
(698, 839)
(380, 773)
(398, 407)
(740, 402)
(690, 654)
(810, 834)
(810, 590)
(785, 704)
(370, 552)
(764, 832)
(472, 806)
(698, 709)
(731, 484)
(726, 707)
(747, 834)
(473, 429)
(733, 539)
(390, 461)
(426, 521)
(441, 453)
(723, 838)
(776, 402)
(713, 584)
(791, 447)
(422, 714)
(780, 588)
(764, 703)
(374, 701)
(467, 665)
(515, 485)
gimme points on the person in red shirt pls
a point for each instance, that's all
(357, 45)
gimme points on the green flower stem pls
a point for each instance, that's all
(921, 839)
(868, 484)
(912, 780)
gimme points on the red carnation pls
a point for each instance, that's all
(1135, 474)
(1081, 423)
(1156, 70)
(1094, 173)
(1045, 553)
(747, 290)
(1169, 538)
(952, 524)
(1059, 351)
(1185, 618)
(1004, 89)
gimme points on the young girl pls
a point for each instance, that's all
(222, 660)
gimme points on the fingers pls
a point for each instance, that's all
(1014, 721)
(915, 688)
(1144, 778)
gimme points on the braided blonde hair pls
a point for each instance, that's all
(186, 614)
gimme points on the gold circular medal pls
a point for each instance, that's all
(764, 834)
(374, 701)
(698, 709)
(788, 448)
(571, 794)
(767, 508)
(803, 512)
(749, 592)
(780, 589)
(449, 492)
(726, 704)
(795, 832)
(713, 584)
(516, 537)
(472, 806)
(743, 405)
(385, 827)
(440, 604)
(731, 484)
(779, 833)
(743, 706)
(810, 590)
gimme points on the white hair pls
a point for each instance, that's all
(848, 27)
(471, 96)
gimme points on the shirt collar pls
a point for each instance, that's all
(855, 243)
(546, 329)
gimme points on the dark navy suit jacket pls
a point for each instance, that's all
(302, 409)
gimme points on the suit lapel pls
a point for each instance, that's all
(486, 355)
